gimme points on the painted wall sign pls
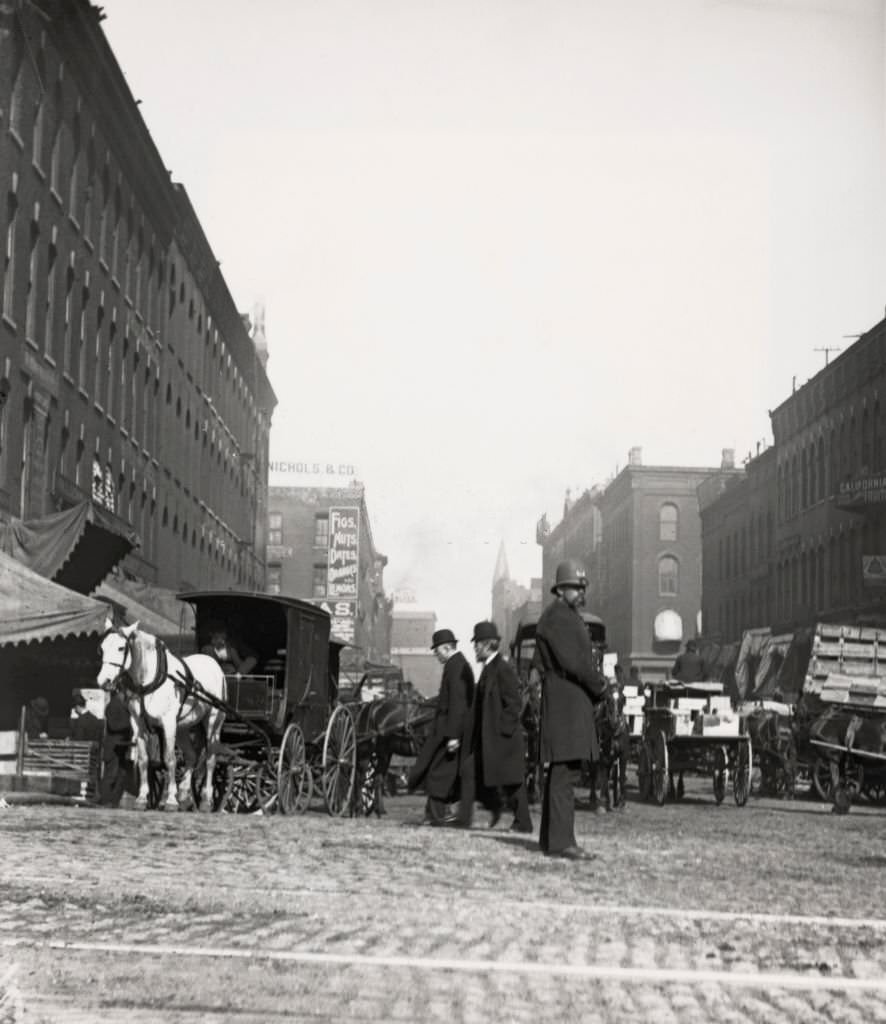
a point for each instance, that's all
(343, 565)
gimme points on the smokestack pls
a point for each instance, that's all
(728, 459)
(635, 456)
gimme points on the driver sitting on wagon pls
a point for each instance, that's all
(224, 652)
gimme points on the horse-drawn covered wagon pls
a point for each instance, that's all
(263, 692)
(692, 727)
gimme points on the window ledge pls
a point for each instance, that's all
(10, 323)
(72, 220)
(32, 344)
(16, 138)
(47, 358)
(88, 243)
(56, 196)
(38, 170)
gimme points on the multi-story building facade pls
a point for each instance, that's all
(413, 630)
(320, 548)
(738, 546)
(830, 444)
(127, 376)
(640, 539)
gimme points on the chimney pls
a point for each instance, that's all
(635, 456)
(728, 459)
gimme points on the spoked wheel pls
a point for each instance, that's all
(719, 774)
(821, 778)
(659, 758)
(644, 773)
(339, 761)
(295, 784)
(250, 788)
(741, 780)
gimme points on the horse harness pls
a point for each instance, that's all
(184, 682)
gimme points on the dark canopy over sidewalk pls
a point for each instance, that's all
(76, 548)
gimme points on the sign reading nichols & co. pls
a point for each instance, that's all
(343, 562)
(864, 490)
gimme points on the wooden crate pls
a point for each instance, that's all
(69, 767)
(848, 651)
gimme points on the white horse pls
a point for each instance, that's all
(164, 691)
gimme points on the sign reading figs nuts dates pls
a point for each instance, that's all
(343, 563)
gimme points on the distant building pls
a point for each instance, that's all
(738, 545)
(411, 634)
(320, 548)
(508, 597)
(640, 540)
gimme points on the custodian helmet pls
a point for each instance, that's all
(570, 573)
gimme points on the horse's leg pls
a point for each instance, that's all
(189, 755)
(214, 722)
(141, 753)
(384, 755)
(170, 802)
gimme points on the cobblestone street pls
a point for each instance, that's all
(690, 913)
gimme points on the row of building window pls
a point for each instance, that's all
(811, 474)
(745, 547)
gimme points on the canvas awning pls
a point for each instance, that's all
(149, 620)
(76, 548)
(33, 608)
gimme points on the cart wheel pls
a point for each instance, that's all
(741, 781)
(821, 778)
(248, 789)
(644, 773)
(719, 774)
(659, 767)
(339, 761)
(295, 783)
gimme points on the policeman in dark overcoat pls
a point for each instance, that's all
(571, 685)
(497, 741)
(439, 761)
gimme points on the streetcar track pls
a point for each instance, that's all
(739, 978)
(481, 895)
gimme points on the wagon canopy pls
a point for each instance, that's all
(33, 608)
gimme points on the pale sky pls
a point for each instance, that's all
(500, 243)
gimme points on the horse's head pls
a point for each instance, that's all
(117, 654)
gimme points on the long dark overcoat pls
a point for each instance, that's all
(501, 736)
(434, 766)
(571, 683)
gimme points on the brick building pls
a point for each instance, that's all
(412, 631)
(738, 545)
(320, 547)
(127, 376)
(830, 444)
(640, 540)
(508, 598)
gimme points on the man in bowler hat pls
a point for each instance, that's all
(689, 666)
(439, 760)
(571, 685)
(497, 738)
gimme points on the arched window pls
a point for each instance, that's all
(668, 517)
(668, 576)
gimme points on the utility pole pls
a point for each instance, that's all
(827, 349)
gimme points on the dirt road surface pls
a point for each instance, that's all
(690, 913)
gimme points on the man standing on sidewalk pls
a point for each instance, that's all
(439, 760)
(497, 743)
(571, 684)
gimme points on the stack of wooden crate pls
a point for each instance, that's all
(848, 665)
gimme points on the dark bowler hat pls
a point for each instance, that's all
(443, 636)
(485, 631)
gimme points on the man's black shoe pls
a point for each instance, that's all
(571, 853)
(524, 829)
(494, 818)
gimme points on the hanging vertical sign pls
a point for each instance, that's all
(343, 560)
